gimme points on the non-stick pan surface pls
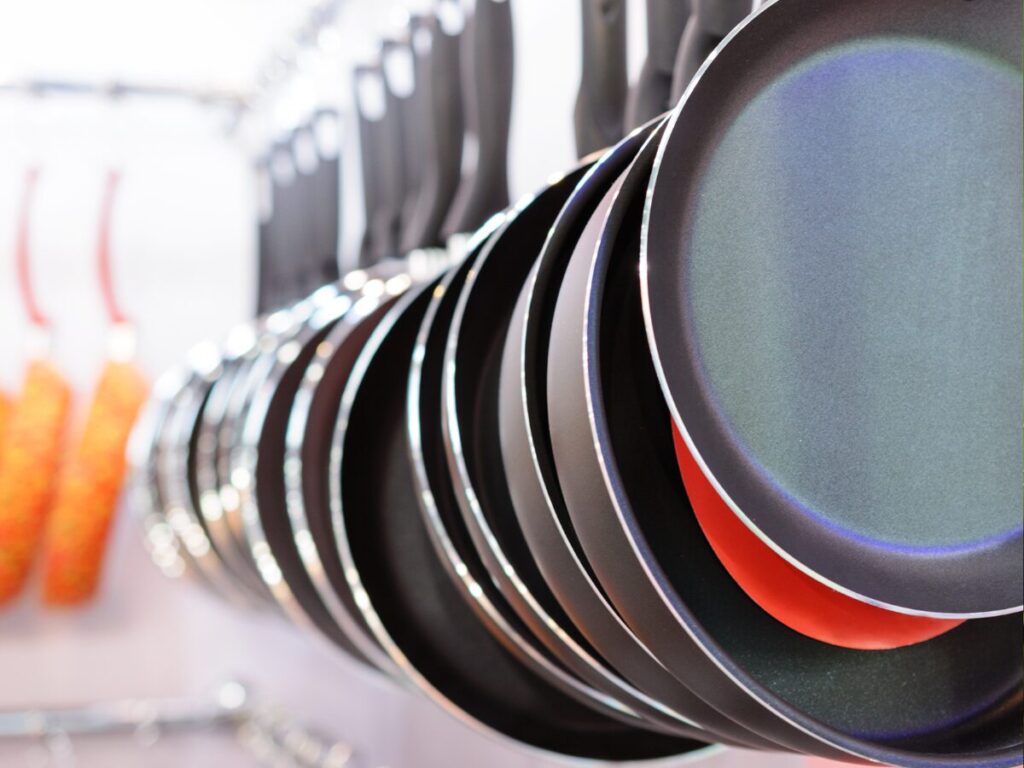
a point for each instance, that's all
(469, 402)
(526, 453)
(452, 541)
(833, 291)
(954, 700)
(409, 601)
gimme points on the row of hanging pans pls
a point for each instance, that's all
(714, 439)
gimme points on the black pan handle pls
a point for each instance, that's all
(710, 21)
(371, 111)
(265, 260)
(286, 231)
(419, 138)
(326, 128)
(405, 131)
(391, 158)
(436, 41)
(307, 163)
(487, 83)
(666, 20)
(601, 98)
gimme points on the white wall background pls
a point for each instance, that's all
(183, 253)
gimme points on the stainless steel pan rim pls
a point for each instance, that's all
(234, 468)
(533, 479)
(497, 564)
(365, 601)
(175, 445)
(164, 548)
(365, 303)
(265, 519)
(472, 590)
(235, 365)
(246, 451)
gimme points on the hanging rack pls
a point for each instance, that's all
(268, 733)
(117, 89)
(275, 71)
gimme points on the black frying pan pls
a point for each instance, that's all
(837, 315)
(632, 518)
(259, 455)
(174, 466)
(526, 456)
(311, 423)
(410, 603)
(239, 350)
(469, 402)
(446, 525)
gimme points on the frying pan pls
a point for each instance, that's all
(239, 351)
(314, 412)
(410, 603)
(601, 97)
(943, 702)
(469, 418)
(441, 510)
(259, 458)
(470, 415)
(486, 60)
(257, 352)
(785, 592)
(174, 463)
(143, 488)
(530, 471)
(825, 371)
(435, 40)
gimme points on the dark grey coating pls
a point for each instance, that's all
(586, 494)
(208, 482)
(412, 604)
(500, 447)
(469, 414)
(311, 422)
(561, 470)
(175, 463)
(834, 291)
(452, 540)
(898, 707)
